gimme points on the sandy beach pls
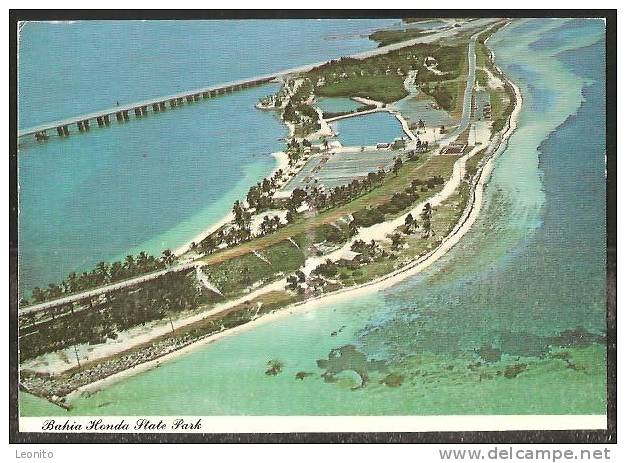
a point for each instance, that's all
(376, 232)
(468, 218)
(282, 163)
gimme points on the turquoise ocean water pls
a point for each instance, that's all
(510, 321)
(156, 183)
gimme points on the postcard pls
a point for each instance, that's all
(313, 224)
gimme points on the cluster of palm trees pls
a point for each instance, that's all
(371, 249)
(269, 225)
(339, 195)
(117, 311)
(259, 198)
(298, 111)
(104, 273)
(421, 146)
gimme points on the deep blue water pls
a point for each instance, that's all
(78, 67)
(158, 182)
(532, 265)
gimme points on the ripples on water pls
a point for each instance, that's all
(511, 321)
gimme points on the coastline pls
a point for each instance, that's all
(497, 145)
(282, 164)
(468, 218)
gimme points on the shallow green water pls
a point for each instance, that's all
(510, 321)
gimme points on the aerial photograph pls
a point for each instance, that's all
(312, 217)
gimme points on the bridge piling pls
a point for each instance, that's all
(41, 135)
(121, 112)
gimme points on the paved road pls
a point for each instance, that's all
(105, 289)
(148, 102)
(464, 122)
(467, 96)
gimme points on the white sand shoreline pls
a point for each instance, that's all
(468, 218)
(282, 161)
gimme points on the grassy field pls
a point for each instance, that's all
(380, 88)
(234, 275)
(418, 169)
(388, 37)
(382, 77)
(448, 90)
(445, 216)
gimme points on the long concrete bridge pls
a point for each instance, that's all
(122, 113)
(238, 86)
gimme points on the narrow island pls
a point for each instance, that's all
(333, 218)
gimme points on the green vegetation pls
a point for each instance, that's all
(382, 77)
(380, 88)
(388, 37)
(360, 109)
(233, 276)
(105, 318)
(447, 89)
(102, 274)
(471, 165)
(502, 99)
(503, 108)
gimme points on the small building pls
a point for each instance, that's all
(380, 146)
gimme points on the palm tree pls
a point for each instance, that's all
(142, 261)
(102, 271)
(397, 165)
(426, 215)
(409, 222)
(168, 257)
(129, 264)
(396, 241)
(353, 228)
(72, 282)
(117, 271)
